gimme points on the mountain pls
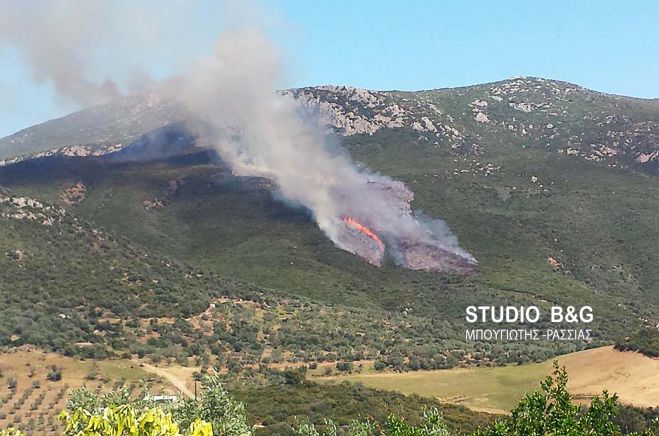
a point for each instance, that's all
(557, 116)
(551, 186)
(99, 129)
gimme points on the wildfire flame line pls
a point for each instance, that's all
(363, 229)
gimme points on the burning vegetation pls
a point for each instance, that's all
(362, 241)
(414, 242)
(425, 254)
(259, 132)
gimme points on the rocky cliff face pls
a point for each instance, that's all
(530, 112)
(558, 116)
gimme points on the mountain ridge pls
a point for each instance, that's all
(444, 115)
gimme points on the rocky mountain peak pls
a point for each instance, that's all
(560, 117)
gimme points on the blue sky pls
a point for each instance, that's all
(610, 46)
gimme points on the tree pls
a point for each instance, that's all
(550, 412)
(125, 420)
(216, 406)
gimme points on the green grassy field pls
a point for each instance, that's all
(498, 389)
(487, 389)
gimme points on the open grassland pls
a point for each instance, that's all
(634, 377)
(31, 396)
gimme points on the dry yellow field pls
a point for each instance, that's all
(33, 404)
(634, 377)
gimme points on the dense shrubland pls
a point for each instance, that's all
(151, 241)
(645, 341)
(81, 291)
(113, 268)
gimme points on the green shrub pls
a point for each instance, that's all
(645, 341)
(55, 374)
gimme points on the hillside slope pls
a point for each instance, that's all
(549, 185)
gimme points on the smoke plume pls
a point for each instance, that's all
(232, 92)
(260, 132)
(92, 51)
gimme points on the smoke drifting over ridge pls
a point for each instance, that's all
(260, 132)
(92, 51)
(255, 129)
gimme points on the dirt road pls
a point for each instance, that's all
(167, 373)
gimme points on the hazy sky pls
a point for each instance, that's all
(610, 46)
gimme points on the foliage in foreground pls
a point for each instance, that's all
(215, 413)
(126, 420)
(547, 412)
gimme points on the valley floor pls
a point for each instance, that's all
(632, 376)
(36, 400)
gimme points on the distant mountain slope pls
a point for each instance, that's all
(74, 288)
(516, 168)
(101, 128)
(530, 112)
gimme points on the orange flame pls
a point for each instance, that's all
(365, 230)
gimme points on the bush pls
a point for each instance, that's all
(294, 376)
(215, 413)
(551, 412)
(344, 366)
(432, 425)
(55, 374)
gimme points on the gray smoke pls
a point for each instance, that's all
(90, 51)
(260, 132)
(232, 92)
